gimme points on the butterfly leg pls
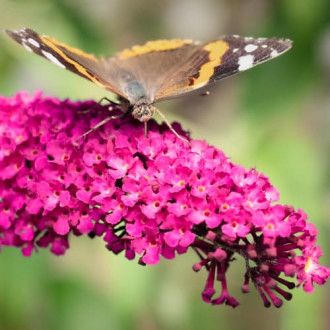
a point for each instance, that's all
(106, 99)
(101, 123)
(146, 129)
(171, 128)
(119, 103)
(99, 103)
(206, 93)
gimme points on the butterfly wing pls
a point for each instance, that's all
(142, 69)
(75, 60)
(160, 69)
(219, 59)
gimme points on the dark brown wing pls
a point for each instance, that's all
(219, 59)
(75, 60)
(141, 70)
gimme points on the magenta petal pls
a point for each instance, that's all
(85, 225)
(187, 239)
(34, 206)
(61, 226)
(172, 238)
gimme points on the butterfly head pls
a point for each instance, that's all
(143, 111)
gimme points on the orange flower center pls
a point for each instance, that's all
(201, 188)
(270, 226)
(308, 265)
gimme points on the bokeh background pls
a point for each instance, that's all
(275, 117)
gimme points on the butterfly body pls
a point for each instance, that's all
(157, 70)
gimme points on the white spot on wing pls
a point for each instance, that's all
(235, 50)
(264, 46)
(26, 46)
(53, 59)
(245, 62)
(250, 48)
(274, 53)
(34, 42)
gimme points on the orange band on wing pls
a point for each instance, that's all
(53, 45)
(157, 45)
(70, 49)
(216, 50)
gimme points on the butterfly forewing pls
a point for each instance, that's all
(219, 59)
(75, 60)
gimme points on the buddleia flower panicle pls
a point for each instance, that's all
(146, 197)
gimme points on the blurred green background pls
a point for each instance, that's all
(275, 117)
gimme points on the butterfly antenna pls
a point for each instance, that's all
(171, 128)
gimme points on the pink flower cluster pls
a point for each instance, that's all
(154, 196)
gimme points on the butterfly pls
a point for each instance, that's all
(158, 70)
